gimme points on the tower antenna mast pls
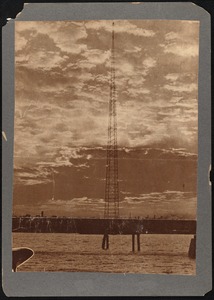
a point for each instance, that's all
(112, 187)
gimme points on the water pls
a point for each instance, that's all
(160, 254)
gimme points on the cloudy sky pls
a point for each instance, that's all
(61, 109)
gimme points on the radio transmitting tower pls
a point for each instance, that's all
(112, 187)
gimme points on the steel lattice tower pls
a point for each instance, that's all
(112, 187)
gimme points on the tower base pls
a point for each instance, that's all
(192, 248)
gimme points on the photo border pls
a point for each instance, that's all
(103, 284)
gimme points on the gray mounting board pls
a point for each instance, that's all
(101, 284)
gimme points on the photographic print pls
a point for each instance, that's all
(106, 146)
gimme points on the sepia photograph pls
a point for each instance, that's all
(105, 146)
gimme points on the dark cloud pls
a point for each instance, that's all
(79, 174)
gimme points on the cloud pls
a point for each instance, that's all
(33, 176)
(183, 42)
(171, 35)
(63, 91)
(168, 204)
(79, 189)
(62, 98)
(132, 92)
(181, 87)
(149, 62)
(120, 26)
(126, 68)
(172, 77)
(43, 60)
(62, 33)
(95, 56)
(40, 53)
(79, 201)
(133, 49)
(21, 42)
(184, 50)
(46, 45)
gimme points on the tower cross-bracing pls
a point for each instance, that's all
(112, 187)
